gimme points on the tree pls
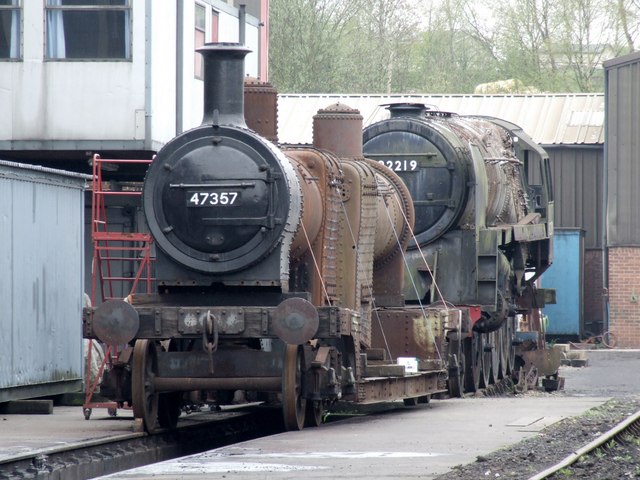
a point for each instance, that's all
(378, 56)
(628, 16)
(306, 38)
(446, 46)
(452, 55)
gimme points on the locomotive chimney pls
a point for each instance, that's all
(261, 108)
(224, 83)
(407, 109)
(338, 128)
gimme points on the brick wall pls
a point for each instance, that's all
(624, 295)
(592, 296)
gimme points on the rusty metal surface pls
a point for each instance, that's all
(115, 322)
(410, 332)
(388, 389)
(162, 322)
(228, 362)
(355, 247)
(396, 220)
(263, 384)
(338, 128)
(314, 256)
(547, 361)
(261, 108)
(295, 321)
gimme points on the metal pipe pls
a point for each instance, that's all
(242, 24)
(605, 210)
(264, 41)
(148, 140)
(263, 384)
(179, 65)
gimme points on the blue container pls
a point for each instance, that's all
(566, 276)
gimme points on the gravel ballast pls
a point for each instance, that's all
(554, 443)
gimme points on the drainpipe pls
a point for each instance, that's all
(605, 210)
(263, 45)
(179, 65)
(147, 76)
(242, 24)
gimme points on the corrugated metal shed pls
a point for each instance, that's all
(553, 119)
(578, 188)
(622, 150)
(41, 285)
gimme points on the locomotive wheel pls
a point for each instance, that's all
(169, 404)
(511, 349)
(144, 397)
(495, 356)
(502, 351)
(313, 416)
(473, 362)
(486, 361)
(456, 369)
(293, 403)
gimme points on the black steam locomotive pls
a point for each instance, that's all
(484, 230)
(284, 272)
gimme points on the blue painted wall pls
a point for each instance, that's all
(565, 275)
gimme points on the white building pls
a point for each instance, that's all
(81, 76)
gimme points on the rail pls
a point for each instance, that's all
(103, 456)
(632, 424)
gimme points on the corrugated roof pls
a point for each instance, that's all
(550, 119)
(24, 170)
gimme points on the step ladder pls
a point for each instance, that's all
(110, 247)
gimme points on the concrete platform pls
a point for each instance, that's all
(418, 442)
(67, 427)
(21, 434)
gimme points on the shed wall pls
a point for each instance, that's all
(41, 286)
(622, 150)
(577, 174)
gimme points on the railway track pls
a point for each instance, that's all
(105, 456)
(625, 432)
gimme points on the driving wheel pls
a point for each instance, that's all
(456, 369)
(485, 379)
(473, 362)
(144, 396)
(293, 403)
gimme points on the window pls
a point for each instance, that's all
(214, 26)
(9, 29)
(200, 31)
(201, 35)
(88, 29)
